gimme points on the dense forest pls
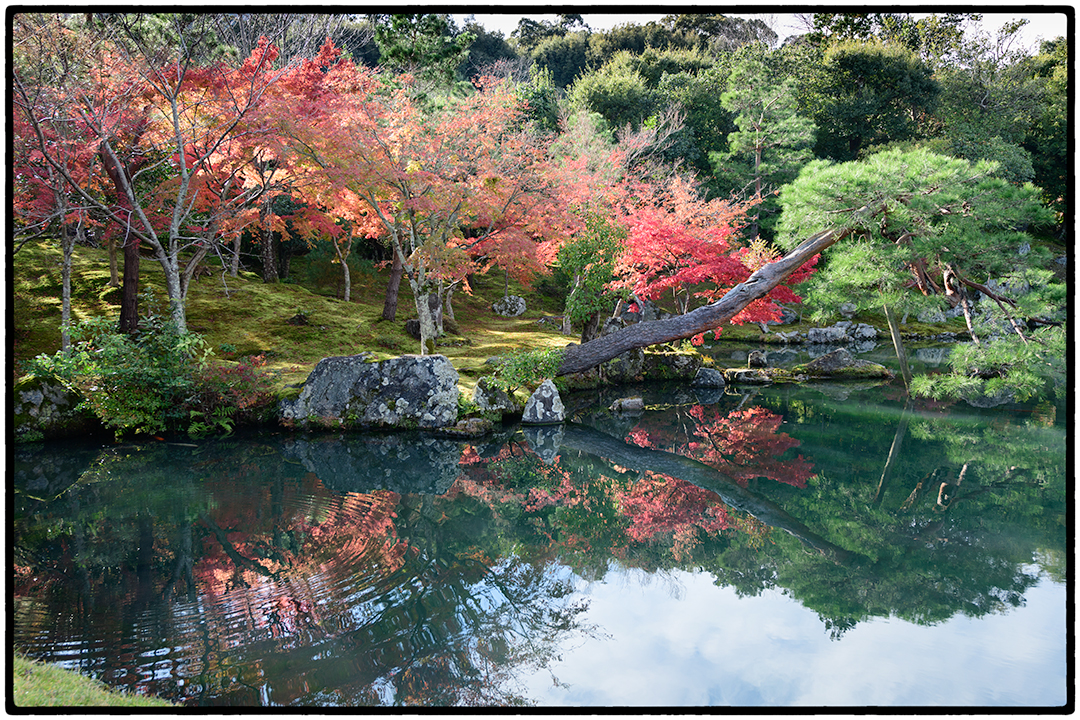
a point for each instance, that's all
(906, 164)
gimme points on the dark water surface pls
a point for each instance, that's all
(818, 546)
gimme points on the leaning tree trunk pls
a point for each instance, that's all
(578, 358)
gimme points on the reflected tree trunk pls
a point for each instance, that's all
(704, 476)
(894, 453)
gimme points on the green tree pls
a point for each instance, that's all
(772, 141)
(1048, 137)
(616, 91)
(947, 224)
(589, 259)
(564, 56)
(427, 45)
(869, 94)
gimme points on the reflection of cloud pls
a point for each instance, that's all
(710, 647)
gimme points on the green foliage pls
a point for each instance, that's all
(868, 94)
(616, 91)
(564, 56)
(772, 141)
(245, 391)
(589, 259)
(218, 422)
(1006, 368)
(138, 382)
(424, 44)
(527, 368)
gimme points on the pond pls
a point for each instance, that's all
(813, 546)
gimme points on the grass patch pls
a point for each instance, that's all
(243, 316)
(36, 684)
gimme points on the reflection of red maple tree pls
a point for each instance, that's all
(657, 505)
(743, 444)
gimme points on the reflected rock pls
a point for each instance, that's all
(403, 463)
(932, 356)
(544, 407)
(41, 472)
(628, 406)
(757, 359)
(671, 365)
(708, 378)
(545, 440)
(708, 395)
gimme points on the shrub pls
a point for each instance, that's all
(527, 368)
(226, 393)
(139, 382)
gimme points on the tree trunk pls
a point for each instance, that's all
(898, 345)
(591, 328)
(67, 245)
(129, 293)
(267, 251)
(578, 358)
(427, 322)
(894, 454)
(389, 311)
(234, 263)
(114, 273)
(730, 491)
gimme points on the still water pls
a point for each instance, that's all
(821, 546)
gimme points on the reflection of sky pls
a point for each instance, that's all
(680, 640)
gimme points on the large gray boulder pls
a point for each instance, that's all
(352, 392)
(544, 407)
(509, 306)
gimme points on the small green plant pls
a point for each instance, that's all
(227, 349)
(527, 368)
(243, 391)
(207, 424)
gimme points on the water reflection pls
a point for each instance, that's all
(410, 570)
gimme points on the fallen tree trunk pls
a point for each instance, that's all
(579, 358)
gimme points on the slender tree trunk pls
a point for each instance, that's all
(343, 256)
(266, 248)
(129, 298)
(114, 273)
(389, 311)
(234, 263)
(591, 328)
(427, 321)
(898, 345)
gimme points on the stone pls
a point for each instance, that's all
(748, 376)
(352, 392)
(708, 378)
(841, 363)
(848, 310)
(544, 407)
(933, 316)
(491, 398)
(412, 327)
(44, 409)
(826, 335)
(626, 367)
(628, 405)
(756, 359)
(670, 365)
(862, 331)
(509, 306)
